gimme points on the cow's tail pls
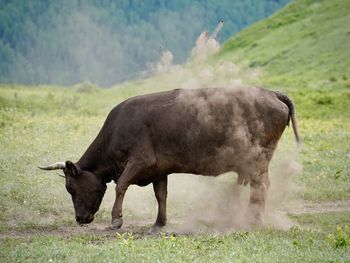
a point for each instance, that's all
(286, 100)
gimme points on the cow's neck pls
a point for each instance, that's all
(99, 161)
(101, 167)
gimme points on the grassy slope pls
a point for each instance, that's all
(302, 50)
(306, 45)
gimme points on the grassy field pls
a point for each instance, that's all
(303, 50)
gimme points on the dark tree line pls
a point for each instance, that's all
(108, 41)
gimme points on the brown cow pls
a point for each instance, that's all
(201, 131)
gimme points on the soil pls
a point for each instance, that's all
(141, 228)
(324, 207)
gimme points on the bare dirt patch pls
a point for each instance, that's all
(324, 207)
(140, 228)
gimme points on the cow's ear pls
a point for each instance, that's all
(72, 169)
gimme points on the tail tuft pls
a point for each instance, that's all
(286, 100)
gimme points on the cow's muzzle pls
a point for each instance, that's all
(84, 220)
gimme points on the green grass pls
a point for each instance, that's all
(302, 50)
(295, 245)
(303, 46)
(323, 221)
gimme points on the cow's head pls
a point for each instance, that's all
(86, 189)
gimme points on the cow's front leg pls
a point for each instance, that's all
(131, 171)
(161, 192)
(117, 215)
(258, 192)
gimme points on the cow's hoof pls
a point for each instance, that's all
(155, 229)
(255, 218)
(117, 223)
(258, 222)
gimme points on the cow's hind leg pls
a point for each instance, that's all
(161, 192)
(258, 191)
(132, 170)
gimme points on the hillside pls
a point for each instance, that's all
(301, 42)
(306, 45)
(106, 42)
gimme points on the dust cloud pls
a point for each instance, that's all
(202, 204)
(163, 65)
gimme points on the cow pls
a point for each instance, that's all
(208, 131)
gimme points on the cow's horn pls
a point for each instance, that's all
(62, 175)
(55, 166)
